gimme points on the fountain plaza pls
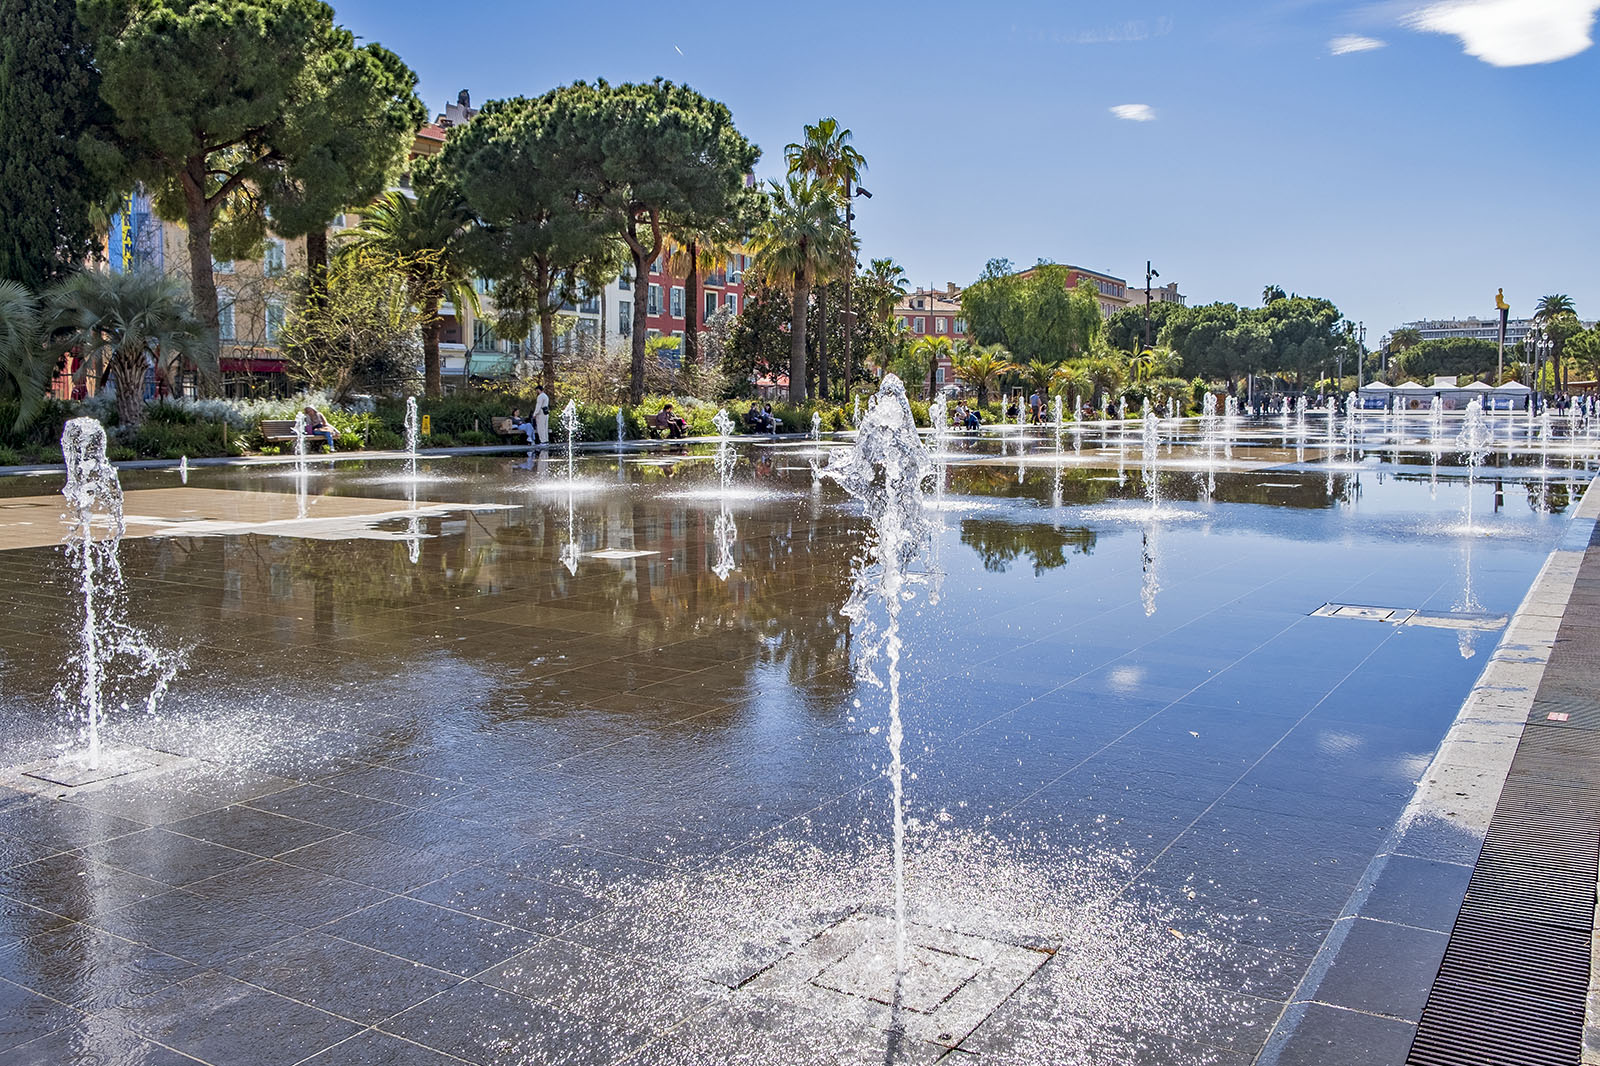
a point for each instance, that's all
(1149, 741)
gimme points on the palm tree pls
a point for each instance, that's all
(826, 154)
(795, 242)
(1404, 338)
(1271, 293)
(422, 238)
(982, 366)
(1104, 375)
(890, 279)
(933, 349)
(1069, 378)
(1557, 318)
(23, 358)
(126, 325)
(1038, 374)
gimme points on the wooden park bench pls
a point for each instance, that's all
(277, 430)
(502, 427)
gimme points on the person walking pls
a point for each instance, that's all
(541, 415)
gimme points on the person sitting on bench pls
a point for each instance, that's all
(317, 426)
(666, 420)
(521, 424)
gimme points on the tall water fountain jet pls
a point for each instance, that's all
(1436, 418)
(1057, 420)
(1230, 424)
(1350, 427)
(1208, 439)
(411, 434)
(622, 429)
(93, 493)
(300, 463)
(939, 422)
(1474, 442)
(723, 530)
(1152, 444)
(816, 425)
(183, 469)
(885, 471)
(570, 552)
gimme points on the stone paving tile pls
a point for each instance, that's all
(331, 807)
(192, 927)
(76, 886)
(168, 857)
(341, 977)
(217, 1019)
(55, 824)
(304, 897)
(434, 936)
(1324, 1034)
(18, 921)
(489, 1026)
(506, 895)
(89, 969)
(1418, 892)
(373, 1048)
(1383, 969)
(374, 863)
(93, 1041)
(26, 1015)
(253, 831)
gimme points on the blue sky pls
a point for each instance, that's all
(1401, 181)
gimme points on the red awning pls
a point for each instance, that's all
(252, 366)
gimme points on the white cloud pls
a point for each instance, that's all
(1512, 33)
(1350, 42)
(1134, 112)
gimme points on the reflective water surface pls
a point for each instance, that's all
(582, 770)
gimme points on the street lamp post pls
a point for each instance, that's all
(849, 316)
(1149, 272)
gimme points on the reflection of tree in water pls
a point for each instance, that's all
(1084, 485)
(999, 543)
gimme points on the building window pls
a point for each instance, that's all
(960, 327)
(225, 319)
(655, 268)
(273, 259)
(274, 320)
(919, 324)
(625, 317)
(733, 303)
(938, 375)
(651, 334)
(652, 305)
(939, 324)
(625, 279)
(711, 304)
(901, 321)
(917, 303)
(677, 301)
(483, 338)
(222, 266)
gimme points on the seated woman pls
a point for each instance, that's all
(665, 419)
(754, 420)
(521, 424)
(317, 426)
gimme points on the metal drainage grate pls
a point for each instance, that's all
(1406, 616)
(1362, 612)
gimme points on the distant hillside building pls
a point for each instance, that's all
(934, 313)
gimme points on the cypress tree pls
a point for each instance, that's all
(49, 102)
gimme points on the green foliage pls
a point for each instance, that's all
(1124, 331)
(118, 322)
(803, 237)
(1464, 357)
(229, 107)
(171, 440)
(355, 332)
(26, 365)
(759, 346)
(540, 242)
(1034, 315)
(49, 103)
(643, 154)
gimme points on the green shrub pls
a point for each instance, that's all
(384, 439)
(9, 456)
(117, 453)
(473, 438)
(170, 440)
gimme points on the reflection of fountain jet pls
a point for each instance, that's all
(1466, 637)
(1474, 443)
(725, 534)
(1150, 585)
(885, 471)
(570, 552)
(1152, 443)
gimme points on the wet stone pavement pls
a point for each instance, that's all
(477, 807)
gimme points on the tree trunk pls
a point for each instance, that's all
(128, 372)
(641, 267)
(691, 310)
(432, 380)
(197, 216)
(547, 348)
(797, 342)
(822, 342)
(317, 258)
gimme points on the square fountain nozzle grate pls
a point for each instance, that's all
(118, 763)
(953, 981)
(1363, 612)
